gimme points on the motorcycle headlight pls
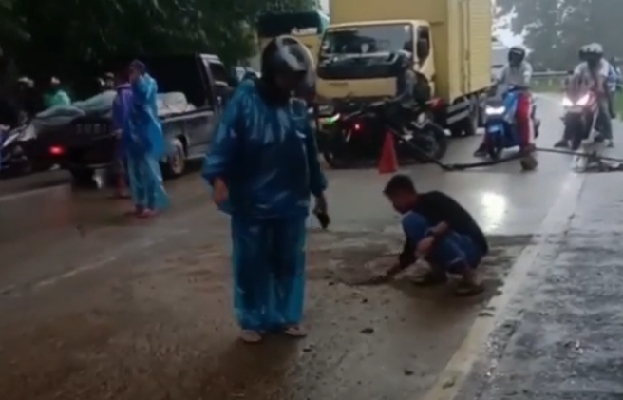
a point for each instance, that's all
(566, 102)
(490, 110)
(584, 100)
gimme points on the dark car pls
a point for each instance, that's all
(88, 143)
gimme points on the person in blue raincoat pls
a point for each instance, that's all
(121, 107)
(263, 169)
(56, 95)
(143, 145)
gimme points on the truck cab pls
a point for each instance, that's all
(356, 60)
(307, 26)
(449, 42)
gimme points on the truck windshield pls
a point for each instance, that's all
(362, 52)
(273, 24)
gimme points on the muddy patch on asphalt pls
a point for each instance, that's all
(165, 329)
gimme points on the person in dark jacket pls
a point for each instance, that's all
(441, 231)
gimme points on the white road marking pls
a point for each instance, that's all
(140, 244)
(29, 193)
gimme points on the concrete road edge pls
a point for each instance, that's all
(557, 221)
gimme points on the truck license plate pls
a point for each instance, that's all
(91, 129)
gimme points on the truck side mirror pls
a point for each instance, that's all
(422, 49)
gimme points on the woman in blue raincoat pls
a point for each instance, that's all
(263, 168)
(121, 107)
(143, 144)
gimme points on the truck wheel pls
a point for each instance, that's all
(175, 165)
(469, 125)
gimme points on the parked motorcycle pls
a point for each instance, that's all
(357, 133)
(16, 151)
(501, 131)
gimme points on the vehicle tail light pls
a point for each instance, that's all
(357, 127)
(436, 102)
(56, 150)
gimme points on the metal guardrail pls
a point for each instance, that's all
(554, 79)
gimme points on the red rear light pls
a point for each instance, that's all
(436, 102)
(56, 150)
(356, 127)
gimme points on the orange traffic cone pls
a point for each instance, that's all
(388, 164)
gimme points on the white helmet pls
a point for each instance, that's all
(594, 48)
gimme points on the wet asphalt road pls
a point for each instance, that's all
(98, 306)
(564, 342)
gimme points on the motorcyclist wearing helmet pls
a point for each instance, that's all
(596, 70)
(614, 78)
(405, 77)
(263, 168)
(517, 73)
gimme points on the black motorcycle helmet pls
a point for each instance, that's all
(582, 54)
(594, 54)
(516, 55)
(287, 66)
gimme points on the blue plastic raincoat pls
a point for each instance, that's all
(143, 144)
(121, 107)
(56, 97)
(268, 158)
(452, 252)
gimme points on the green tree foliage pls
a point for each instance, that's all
(556, 29)
(48, 36)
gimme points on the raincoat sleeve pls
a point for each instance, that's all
(149, 131)
(220, 157)
(119, 109)
(317, 179)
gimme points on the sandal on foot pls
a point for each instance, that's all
(430, 279)
(469, 289)
(147, 214)
(248, 336)
(296, 331)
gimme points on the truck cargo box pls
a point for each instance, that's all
(461, 36)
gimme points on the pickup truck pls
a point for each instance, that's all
(87, 143)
